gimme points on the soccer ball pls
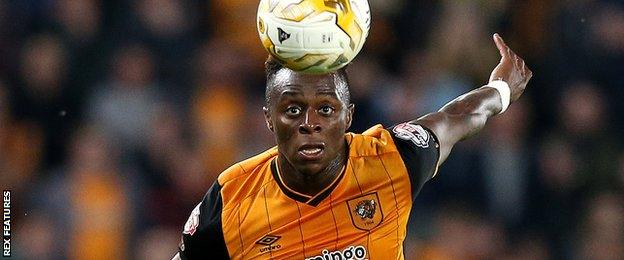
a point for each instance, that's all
(313, 36)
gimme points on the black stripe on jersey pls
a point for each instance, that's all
(301, 229)
(318, 198)
(314, 201)
(396, 203)
(421, 162)
(331, 207)
(266, 208)
(207, 241)
(285, 189)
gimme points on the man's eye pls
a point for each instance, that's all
(326, 110)
(293, 111)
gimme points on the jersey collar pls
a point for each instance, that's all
(304, 198)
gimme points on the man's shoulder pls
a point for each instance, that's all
(372, 142)
(248, 166)
(246, 178)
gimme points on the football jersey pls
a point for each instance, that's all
(249, 213)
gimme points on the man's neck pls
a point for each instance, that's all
(310, 183)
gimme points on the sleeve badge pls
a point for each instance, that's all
(414, 133)
(193, 221)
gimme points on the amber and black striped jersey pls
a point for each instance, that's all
(249, 213)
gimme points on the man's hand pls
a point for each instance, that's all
(511, 69)
(466, 115)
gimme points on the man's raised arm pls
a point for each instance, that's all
(466, 115)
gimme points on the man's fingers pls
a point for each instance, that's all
(509, 57)
(500, 44)
(511, 54)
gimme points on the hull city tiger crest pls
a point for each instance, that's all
(365, 211)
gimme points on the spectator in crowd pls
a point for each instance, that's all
(41, 96)
(125, 105)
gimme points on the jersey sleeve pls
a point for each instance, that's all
(419, 151)
(202, 237)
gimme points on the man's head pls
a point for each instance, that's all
(272, 67)
(308, 114)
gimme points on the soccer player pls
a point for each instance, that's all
(326, 194)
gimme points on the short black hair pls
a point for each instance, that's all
(272, 66)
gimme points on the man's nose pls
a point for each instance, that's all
(310, 123)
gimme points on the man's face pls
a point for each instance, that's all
(308, 118)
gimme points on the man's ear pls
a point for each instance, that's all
(267, 118)
(351, 110)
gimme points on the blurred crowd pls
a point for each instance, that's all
(116, 116)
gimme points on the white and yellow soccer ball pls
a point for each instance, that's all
(313, 36)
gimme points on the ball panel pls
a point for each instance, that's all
(296, 12)
(314, 36)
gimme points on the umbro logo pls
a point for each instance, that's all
(267, 243)
(282, 35)
(268, 240)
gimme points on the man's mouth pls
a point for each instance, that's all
(311, 151)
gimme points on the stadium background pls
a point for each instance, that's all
(115, 117)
